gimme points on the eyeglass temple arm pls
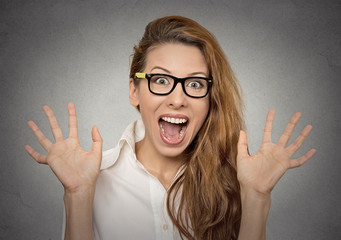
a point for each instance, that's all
(140, 75)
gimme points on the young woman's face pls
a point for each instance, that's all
(163, 135)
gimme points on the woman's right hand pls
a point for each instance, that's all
(75, 168)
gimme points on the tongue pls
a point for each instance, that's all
(171, 130)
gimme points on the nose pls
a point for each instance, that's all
(177, 98)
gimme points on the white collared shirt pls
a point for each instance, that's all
(130, 203)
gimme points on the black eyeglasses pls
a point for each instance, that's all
(164, 84)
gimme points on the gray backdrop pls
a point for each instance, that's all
(286, 55)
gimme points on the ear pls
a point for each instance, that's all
(133, 93)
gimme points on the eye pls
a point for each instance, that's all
(195, 84)
(161, 81)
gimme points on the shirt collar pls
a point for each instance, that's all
(132, 134)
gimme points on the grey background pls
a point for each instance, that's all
(286, 55)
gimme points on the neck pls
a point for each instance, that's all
(164, 168)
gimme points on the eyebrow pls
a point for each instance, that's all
(167, 71)
(161, 68)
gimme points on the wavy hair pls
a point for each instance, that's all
(204, 202)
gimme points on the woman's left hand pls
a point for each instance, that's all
(261, 172)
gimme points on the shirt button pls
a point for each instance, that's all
(165, 227)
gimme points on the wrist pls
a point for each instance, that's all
(248, 194)
(84, 193)
(255, 210)
(78, 210)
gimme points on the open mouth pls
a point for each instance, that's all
(173, 129)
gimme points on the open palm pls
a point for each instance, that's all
(72, 165)
(262, 171)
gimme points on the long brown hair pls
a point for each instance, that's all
(204, 202)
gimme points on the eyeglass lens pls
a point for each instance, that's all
(195, 87)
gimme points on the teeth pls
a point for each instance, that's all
(163, 131)
(174, 120)
(182, 131)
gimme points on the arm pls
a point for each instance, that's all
(75, 168)
(78, 210)
(255, 209)
(258, 174)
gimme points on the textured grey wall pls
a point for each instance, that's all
(286, 55)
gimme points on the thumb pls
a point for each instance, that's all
(96, 140)
(242, 144)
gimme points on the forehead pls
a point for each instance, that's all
(177, 58)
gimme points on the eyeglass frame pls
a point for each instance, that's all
(177, 80)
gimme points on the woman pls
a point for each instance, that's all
(184, 171)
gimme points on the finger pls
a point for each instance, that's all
(73, 127)
(96, 140)
(300, 161)
(292, 148)
(35, 155)
(268, 126)
(242, 144)
(286, 135)
(44, 142)
(56, 131)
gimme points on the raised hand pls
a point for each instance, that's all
(262, 171)
(74, 167)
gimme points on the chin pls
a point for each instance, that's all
(171, 151)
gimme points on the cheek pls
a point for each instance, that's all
(207, 108)
(202, 112)
(148, 106)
